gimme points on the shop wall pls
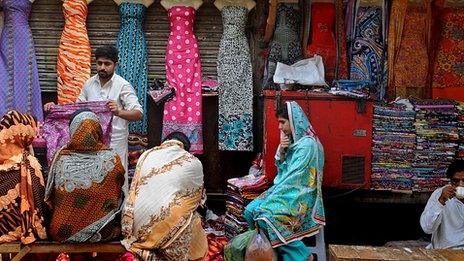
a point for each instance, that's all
(47, 23)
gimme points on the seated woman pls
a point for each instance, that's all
(22, 189)
(292, 208)
(159, 219)
(84, 186)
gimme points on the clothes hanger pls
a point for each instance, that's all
(454, 3)
(371, 2)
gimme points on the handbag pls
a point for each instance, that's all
(161, 92)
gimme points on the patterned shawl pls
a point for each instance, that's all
(292, 208)
(21, 181)
(166, 191)
(84, 185)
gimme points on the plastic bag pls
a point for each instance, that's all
(235, 250)
(259, 248)
(305, 72)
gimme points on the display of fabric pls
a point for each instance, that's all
(393, 146)
(240, 192)
(159, 220)
(437, 137)
(133, 66)
(285, 46)
(235, 82)
(327, 40)
(460, 119)
(74, 53)
(408, 47)
(22, 209)
(79, 173)
(183, 72)
(448, 71)
(367, 44)
(19, 78)
(56, 125)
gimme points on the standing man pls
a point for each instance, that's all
(106, 85)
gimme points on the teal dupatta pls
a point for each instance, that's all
(292, 208)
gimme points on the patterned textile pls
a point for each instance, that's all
(292, 208)
(449, 62)
(159, 213)
(133, 65)
(183, 72)
(74, 53)
(236, 82)
(80, 172)
(408, 46)
(285, 46)
(19, 78)
(368, 48)
(56, 125)
(22, 207)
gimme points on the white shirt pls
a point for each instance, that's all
(445, 223)
(121, 91)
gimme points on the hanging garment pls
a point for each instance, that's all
(183, 72)
(408, 46)
(74, 53)
(133, 67)
(368, 47)
(449, 61)
(235, 82)
(285, 46)
(19, 77)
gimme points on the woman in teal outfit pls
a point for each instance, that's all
(292, 208)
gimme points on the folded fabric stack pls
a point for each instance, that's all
(394, 143)
(437, 141)
(240, 192)
(460, 150)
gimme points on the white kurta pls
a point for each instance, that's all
(119, 90)
(444, 222)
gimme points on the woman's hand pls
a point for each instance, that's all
(283, 146)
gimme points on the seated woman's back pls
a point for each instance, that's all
(84, 186)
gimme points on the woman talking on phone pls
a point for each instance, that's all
(292, 208)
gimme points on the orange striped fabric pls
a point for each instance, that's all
(74, 53)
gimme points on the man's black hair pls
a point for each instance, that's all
(108, 52)
(455, 167)
(77, 113)
(177, 135)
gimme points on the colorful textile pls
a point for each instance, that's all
(285, 46)
(235, 82)
(408, 47)
(448, 67)
(183, 72)
(74, 53)
(367, 46)
(292, 208)
(56, 126)
(19, 78)
(21, 182)
(159, 218)
(133, 64)
(84, 185)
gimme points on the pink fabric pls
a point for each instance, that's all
(56, 126)
(183, 72)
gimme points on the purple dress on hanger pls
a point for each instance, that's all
(19, 78)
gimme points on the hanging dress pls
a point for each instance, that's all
(448, 74)
(235, 82)
(368, 47)
(285, 46)
(74, 53)
(133, 66)
(19, 77)
(408, 45)
(183, 72)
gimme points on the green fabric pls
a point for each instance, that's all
(235, 250)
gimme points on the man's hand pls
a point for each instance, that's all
(113, 107)
(284, 143)
(447, 193)
(48, 106)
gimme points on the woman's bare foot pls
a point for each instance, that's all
(311, 258)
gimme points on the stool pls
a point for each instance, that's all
(318, 250)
